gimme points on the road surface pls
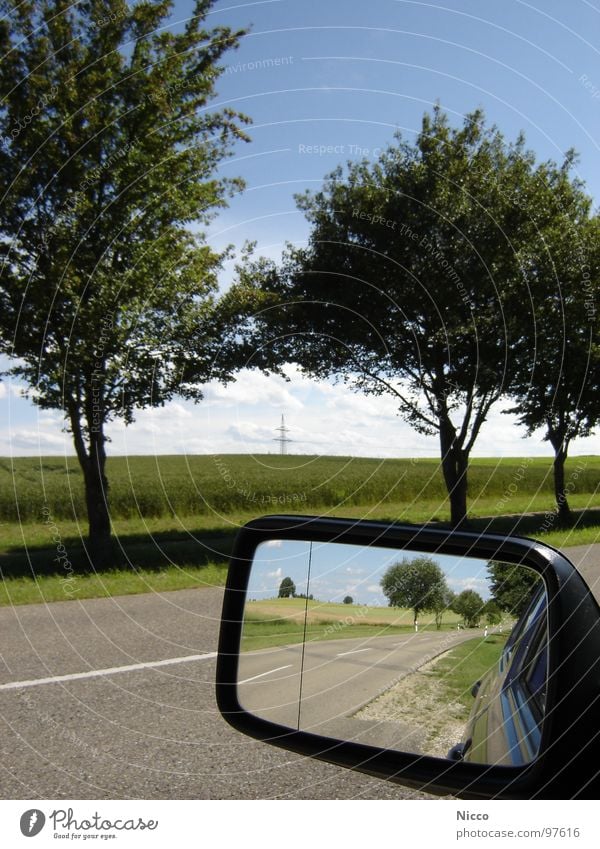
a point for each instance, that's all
(85, 716)
(320, 687)
(89, 712)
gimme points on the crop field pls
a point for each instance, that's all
(174, 518)
(318, 612)
(281, 622)
(168, 486)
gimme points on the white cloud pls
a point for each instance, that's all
(8, 388)
(323, 419)
(278, 573)
(480, 585)
(252, 388)
(250, 432)
(341, 399)
(39, 440)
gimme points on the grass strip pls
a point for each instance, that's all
(465, 664)
(48, 588)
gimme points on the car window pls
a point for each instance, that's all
(536, 681)
(524, 625)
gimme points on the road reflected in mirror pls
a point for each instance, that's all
(419, 652)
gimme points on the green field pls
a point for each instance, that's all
(175, 516)
(280, 622)
(170, 486)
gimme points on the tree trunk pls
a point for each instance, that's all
(563, 511)
(93, 466)
(455, 464)
(96, 498)
(560, 443)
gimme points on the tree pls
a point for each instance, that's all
(348, 599)
(492, 613)
(556, 364)
(287, 589)
(108, 153)
(512, 586)
(470, 606)
(442, 602)
(418, 584)
(403, 285)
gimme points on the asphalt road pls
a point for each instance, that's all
(151, 732)
(333, 679)
(77, 724)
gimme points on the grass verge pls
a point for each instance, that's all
(465, 664)
(162, 544)
(47, 588)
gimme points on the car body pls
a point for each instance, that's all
(505, 726)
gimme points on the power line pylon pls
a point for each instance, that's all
(283, 438)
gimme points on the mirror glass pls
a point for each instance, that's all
(424, 653)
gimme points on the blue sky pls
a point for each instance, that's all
(338, 570)
(329, 81)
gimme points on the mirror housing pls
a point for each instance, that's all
(567, 763)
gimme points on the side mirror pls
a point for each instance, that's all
(446, 661)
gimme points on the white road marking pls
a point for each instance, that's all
(112, 670)
(262, 674)
(355, 651)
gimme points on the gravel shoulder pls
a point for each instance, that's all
(419, 702)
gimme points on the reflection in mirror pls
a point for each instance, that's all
(424, 653)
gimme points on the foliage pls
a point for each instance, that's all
(287, 588)
(492, 613)
(470, 606)
(403, 289)
(418, 584)
(512, 586)
(108, 154)
(442, 602)
(555, 367)
(348, 599)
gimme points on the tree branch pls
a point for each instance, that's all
(415, 411)
(480, 417)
